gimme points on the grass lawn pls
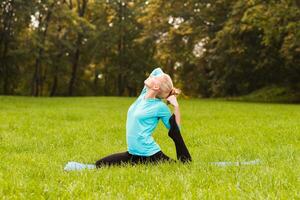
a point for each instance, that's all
(38, 136)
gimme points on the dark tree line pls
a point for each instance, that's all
(108, 47)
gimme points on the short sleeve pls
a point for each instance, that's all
(164, 114)
(156, 72)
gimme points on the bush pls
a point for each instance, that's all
(271, 94)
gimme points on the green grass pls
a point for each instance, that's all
(38, 136)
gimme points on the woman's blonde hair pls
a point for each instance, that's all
(166, 87)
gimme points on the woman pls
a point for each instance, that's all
(142, 118)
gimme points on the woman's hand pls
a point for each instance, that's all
(173, 100)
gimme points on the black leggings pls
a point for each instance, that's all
(182, 152)
(126, 157)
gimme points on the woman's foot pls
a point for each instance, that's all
(73, 166)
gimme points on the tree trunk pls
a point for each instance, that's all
(55, 80)
(121, 51)
(37, 80)
(74, 67)
(75, 62)
(56, 65)
(5, 68)
(106, 86)
(5, 37)
(36, 77)
(6, 79)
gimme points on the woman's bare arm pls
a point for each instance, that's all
(173, 100)
(177, 114)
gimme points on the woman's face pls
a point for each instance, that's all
(152, 82)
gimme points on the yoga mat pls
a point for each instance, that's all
(76, 166)
(224, 164)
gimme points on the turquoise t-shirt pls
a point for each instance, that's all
(142, 118)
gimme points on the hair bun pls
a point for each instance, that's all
(175, 91)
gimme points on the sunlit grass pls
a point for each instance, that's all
(38, 136)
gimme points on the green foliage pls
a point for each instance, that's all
(252, 50)
(210, 48)
(271, 94)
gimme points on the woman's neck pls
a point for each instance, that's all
(150, 94)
